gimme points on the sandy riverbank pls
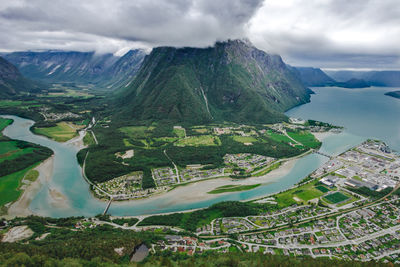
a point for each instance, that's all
(323, 135)
(21, 206)
(78, 141)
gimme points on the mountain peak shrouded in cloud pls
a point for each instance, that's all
(327, 34)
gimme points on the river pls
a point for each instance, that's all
(366, 113)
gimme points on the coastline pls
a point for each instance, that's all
(321, 136)
(20, 208)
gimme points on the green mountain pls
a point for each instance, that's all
(11, 80)
(231, 81)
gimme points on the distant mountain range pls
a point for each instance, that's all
(231, 81)
(317, 77)
(105, 71)
(12, 82)
(395, 94)
(374, 78)
(313, 76)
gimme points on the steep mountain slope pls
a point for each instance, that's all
(77, 67)
(377, 78)
(11, 80)
(232, 81)
(314, 76)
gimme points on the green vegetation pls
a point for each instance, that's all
(149, 143)
(179, 132)
(365, 191)
(4, 123)
(32, 257)
(62, 132)
(232, 188)
(128, 221)
(305, 138)
(88, 139)
(279, 137)
(192, 220)
(302, 193)
(244, 139)
(95, 244)
(10, 184)
(322, 188)
(18, 155)
(335, 198)
(268, 169)
(201, 140)
(32, 175)
(136, 132)
(173, 84)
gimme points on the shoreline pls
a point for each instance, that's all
(197, 191)
(321, 136)
(20, 208)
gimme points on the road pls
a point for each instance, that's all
(176, 168)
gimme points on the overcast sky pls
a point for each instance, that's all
(321, 33)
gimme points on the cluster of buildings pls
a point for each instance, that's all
(370, 220)
(246, 161)
(190, 245)
(232, 225)
(51, 116)
(127, 186)
(370, 165)
(164, 176)
(197, 173)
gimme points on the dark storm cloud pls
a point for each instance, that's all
(118, 23)
(330, 33)
(322, 33)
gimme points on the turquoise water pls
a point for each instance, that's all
(364, 112)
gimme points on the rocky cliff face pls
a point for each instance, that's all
(231, 81)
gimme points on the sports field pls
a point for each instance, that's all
(336, 198)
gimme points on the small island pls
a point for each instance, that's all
(395, 94)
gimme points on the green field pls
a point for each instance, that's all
(201, 140)
(70, 93)
(88, 139)
(62, 132)
(232, 188)
(179, 132)
(244, 139)
(335, 198)
(279, 137)
(9, 185)
(304, 193)
(4, 123)
(322, 188)
(16, 103)
(9, 150)
(306, 138)
(135, 132)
